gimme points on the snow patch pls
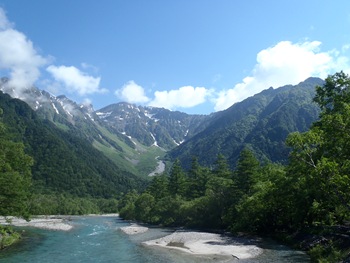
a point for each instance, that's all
(155, 141)
(104, 115)
(124, 133)
(91, 118)
(54, 107)
(148, 115)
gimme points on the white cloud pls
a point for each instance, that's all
(4, 22)
(132, 93)
(184, 97)
(90, 67)
(284, 63)
(345, 47)
(18, 57)
(75, 80)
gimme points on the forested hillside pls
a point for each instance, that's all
(261, 122)
(63, 163)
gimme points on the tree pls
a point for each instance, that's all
(177, 179)
(197, 179)
(219, 192)
(266, 208)
(320, 158)
(221, 167)
(127, 205)
(246, 170)
(15, 177)
(159, 186)
(143, 207)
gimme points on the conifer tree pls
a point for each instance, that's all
(197, 179)
(246, 169)
(177, 179)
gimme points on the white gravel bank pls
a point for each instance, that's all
(134, 229)
(202, 243)
(44, 222)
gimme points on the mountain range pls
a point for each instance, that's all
(136, 138)
(261, 122)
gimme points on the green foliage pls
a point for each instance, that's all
(320, 159)
(325, 254)
(221, 168)
(246, 171)
(143, 207)
(63, 162)
(262, 121)
(177, 180)
(266, 208)
(312, 190)
(159, 186)
(15, 177)
(197, 180)
(127, 205)
(7, 236)
(63, 204)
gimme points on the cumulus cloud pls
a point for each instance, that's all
(4, 22)
(184, 97)
(132, 93)
(18, 56)
(284, 63)
(75, 80)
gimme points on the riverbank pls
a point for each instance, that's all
(201, 243)
(49, 222)
(134, 229)
(44, 222)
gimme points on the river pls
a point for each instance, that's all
(97, 239)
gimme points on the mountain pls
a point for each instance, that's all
(81, 120)
(63, 162)
(133, 137)
(151, 126)
(136, 138)
(261, 122)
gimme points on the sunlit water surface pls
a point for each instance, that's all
(98, 239)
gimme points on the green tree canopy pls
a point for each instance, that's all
(15, 177)
(177, 179)
(321, 157)
(247, 168)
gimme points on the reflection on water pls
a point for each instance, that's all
(97, 239)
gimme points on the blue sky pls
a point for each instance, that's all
(192, 56)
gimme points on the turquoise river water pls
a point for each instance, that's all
(98, 239)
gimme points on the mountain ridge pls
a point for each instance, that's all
(256, 123)
(128, 133)
(63, 162)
